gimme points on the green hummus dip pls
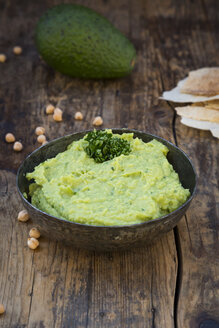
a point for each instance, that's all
(128, 189)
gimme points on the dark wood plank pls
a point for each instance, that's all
(59, 286)
(198, 232)
(195, 46)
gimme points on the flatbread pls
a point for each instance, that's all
(199, 113)
(178, 97)
(214, 104)
(202, 82)
(215, 132)
(202, 125)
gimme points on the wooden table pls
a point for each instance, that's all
(173, 283)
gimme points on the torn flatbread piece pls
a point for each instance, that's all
(215, 132)
(178, 97)
(199, 113)
(202, 125)
(202, 82)
(214, 104)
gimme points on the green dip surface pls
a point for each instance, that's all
(126, 190)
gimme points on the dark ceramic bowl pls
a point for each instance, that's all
(105, 238)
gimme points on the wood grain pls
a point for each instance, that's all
(57, 286)
(197, 234)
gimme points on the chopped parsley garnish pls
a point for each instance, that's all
(103, 146)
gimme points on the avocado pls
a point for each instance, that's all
(79, 42)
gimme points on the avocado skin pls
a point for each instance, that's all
(79, 42)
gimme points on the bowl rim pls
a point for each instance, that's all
(101, 227)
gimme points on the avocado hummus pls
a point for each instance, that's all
(125, 190)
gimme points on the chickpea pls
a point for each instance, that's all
(34, 232)
(32, 243)
(41, 138)
(2, 308)
(17, 50)
(23, 216)
(2, 58)
(58, 111)
(57, 116)
(9, 137)
(78, 116)
(39, 130)
(17, 146)
(98, 121)
(50, 109)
